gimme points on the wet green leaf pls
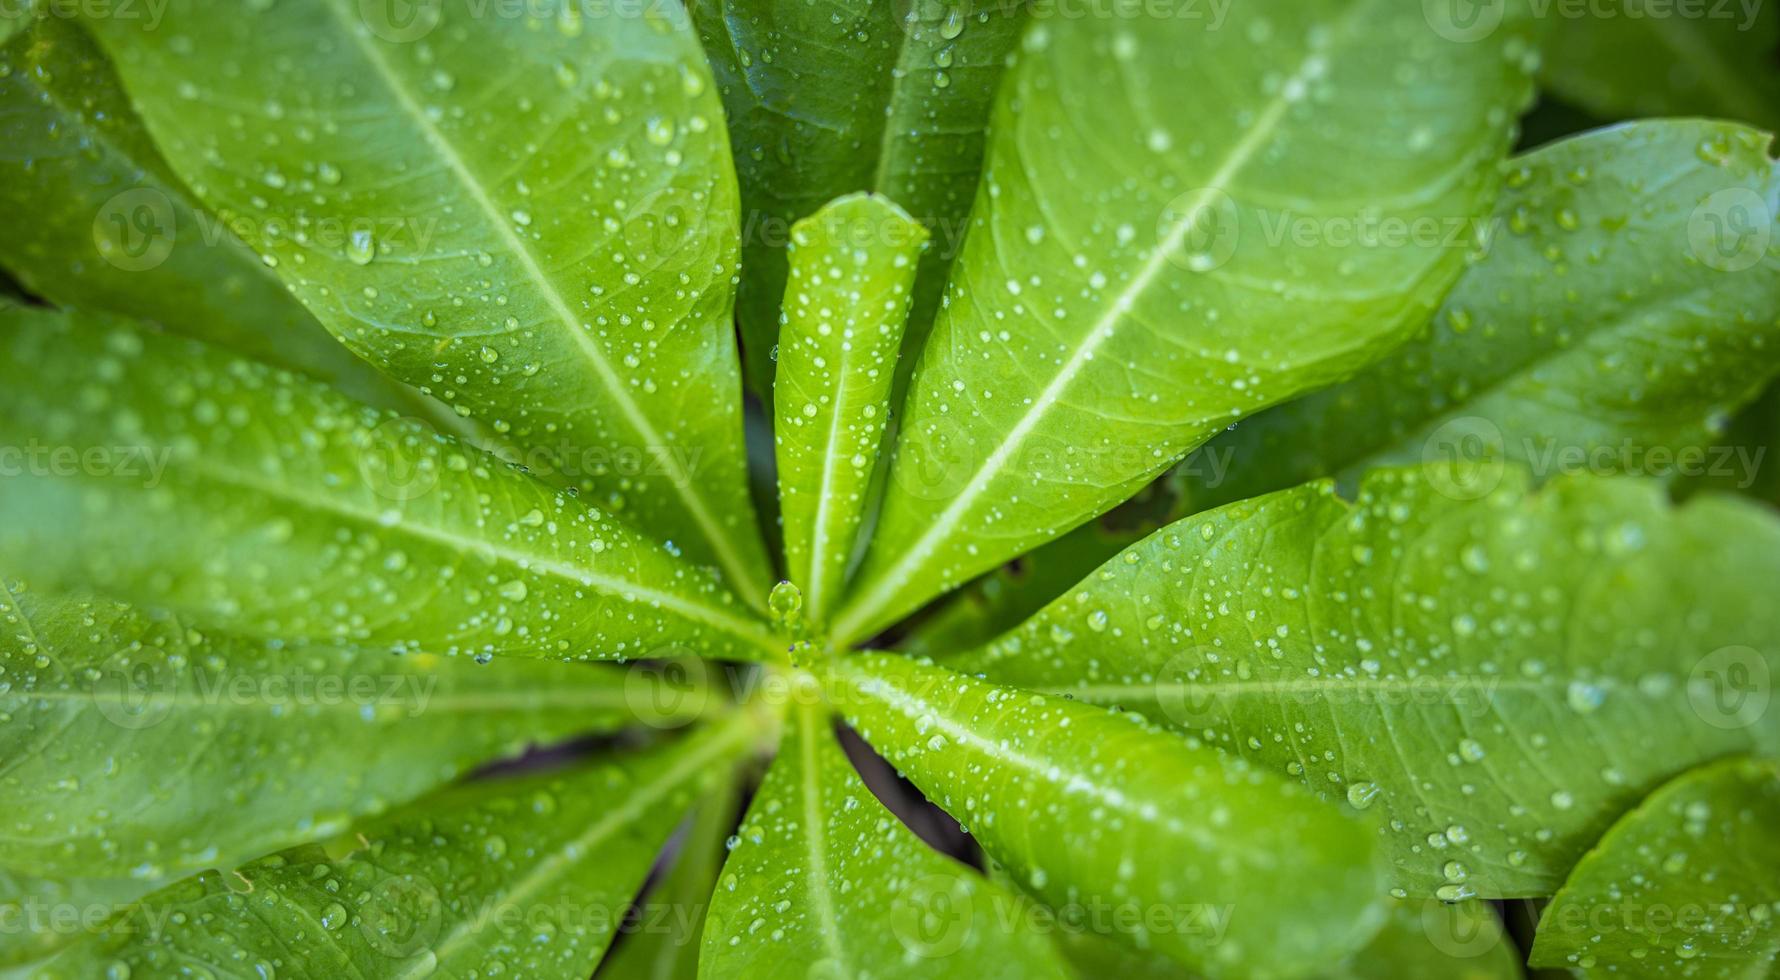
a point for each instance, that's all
(829, 99)
(1147, 269)
(847, 299)
(1753, 436)
(100, 222)
(1160, 842)
(1646, 59)
(1498, 676)
(1628, 303)
(263, 504)
(43, 915)
(528, 877)
(1431, 938)
(1686, 885)
(530, 218)
(824, 881)
(662, 940)
(145, 749)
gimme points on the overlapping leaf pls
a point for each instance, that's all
(1647, 59)
(846, 302)
(662, 939)
(144, 749)
(264, 504)
(1463, 940)
(527, 217)
(1687, 885)
(820, 868)
(829, 99)
(1628, 303)
(1145, 269)
(1499, 676)
(524, 877)
(1198, 855)
(100, 222)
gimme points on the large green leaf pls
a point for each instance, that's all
(1146, 269)
(1499, 676)
(144, 749)
(1430, 938)
(1647, 58)
(822, 863)
(1612, 326)
(266, 505)
(1753, 440)
(1015, 592)
(662, 938)
(43, 915)
(852, 95)
(1164, 843)
(525, 877)
(1604, 268)
(852, 265)
(100, 222)
(1687, 885)
(553, 210)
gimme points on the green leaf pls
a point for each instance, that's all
(663, 941)
(1753, 440)
(145, 749)
(1603, 269)
(102, 223)
(1686, 885)
(44, 915)
(1196, 854)
(852, 264)
(830, 99)
(266, 505)
(825, 864)
(1431, 938)
(1499, 677)
(525, 876)
(1123, 297)
(1713, 59)
(1608, 328)
(1015, 592)
(1462, 941)
(552, 214)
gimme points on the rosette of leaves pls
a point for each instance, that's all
(371, 375)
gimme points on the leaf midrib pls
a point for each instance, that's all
(755, 635)
(860, 614)
(815, 832)
(610, 381)
(1633, 317)
(581, 848)
(905, 702)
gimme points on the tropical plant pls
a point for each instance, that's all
(1199, 455)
